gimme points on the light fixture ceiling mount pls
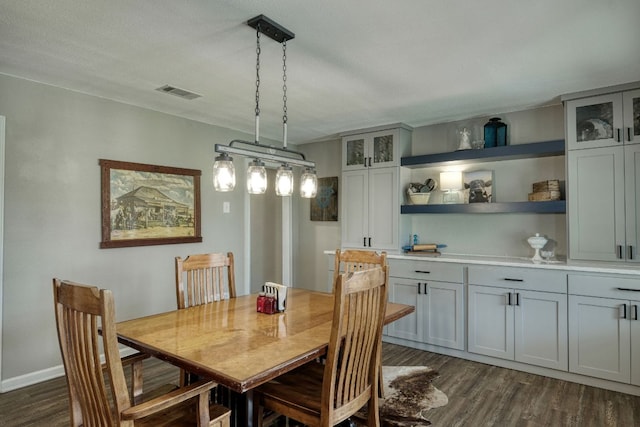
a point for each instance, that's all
(223, 170)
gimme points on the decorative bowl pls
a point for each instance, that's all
(419, 198)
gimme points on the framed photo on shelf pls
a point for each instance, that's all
(478, 186)
(146, 205)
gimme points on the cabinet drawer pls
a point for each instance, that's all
(426, 270)
(520, 278)
(605, 286)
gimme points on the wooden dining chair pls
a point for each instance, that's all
(204, 278)
(318, 394)
(80, 312)
(201, 279)
(356, 260)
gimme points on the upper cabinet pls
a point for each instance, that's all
(603, 167)
(371, 188)
(604, 120)
(376, 149)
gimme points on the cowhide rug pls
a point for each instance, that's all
(408, 395)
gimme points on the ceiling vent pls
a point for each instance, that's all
(178, 92)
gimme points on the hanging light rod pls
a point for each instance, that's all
(265, 152)
(224, 178)
(270, 28)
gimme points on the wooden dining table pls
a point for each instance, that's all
(231, 343)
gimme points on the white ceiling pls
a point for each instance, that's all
(353, 63)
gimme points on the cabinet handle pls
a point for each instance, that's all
(369, 161)
(618, 135)
(422, 271)
(629, 289)
(426, 291)
(509, 298)
(364, 242)
(619, 251)
(369, 241)
(419, 288)
(508, 279)
(630, 252)
(629, 135)
(624, 311)
(517, 298)
(635, 312)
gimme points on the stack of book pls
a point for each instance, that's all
(545, 190)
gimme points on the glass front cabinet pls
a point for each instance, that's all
(371, 150)
(604, 120)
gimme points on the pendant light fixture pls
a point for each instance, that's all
(223, 169)
(284, 177)
(308, 184)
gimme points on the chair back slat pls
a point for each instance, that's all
(80, 310)
(204, 278)
(351, 372)
(352, 260)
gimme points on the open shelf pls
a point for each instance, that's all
(553, 206)
(508, 152)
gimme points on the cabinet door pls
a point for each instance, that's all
(599, 344)
(405, 291)
(490, 322)
(596, 203)
(384, 149)
(355, 152)
(354, 200)
(541, 329)
(594, 122)
(631, 101)
(384, 208)
(635, 342)
(442, 308)
(632, 201)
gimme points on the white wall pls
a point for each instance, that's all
(494, 234)
(314, 237)
(490, 234)
(54, 139)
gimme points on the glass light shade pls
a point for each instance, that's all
(284, 181)
(451, 180)
(309, 184)
(256, 178)
(224, 173)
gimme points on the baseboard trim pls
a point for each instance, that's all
(47, 374)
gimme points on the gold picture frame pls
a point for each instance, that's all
(146, 205)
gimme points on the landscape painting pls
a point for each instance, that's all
(149, 205)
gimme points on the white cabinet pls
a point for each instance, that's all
(371, 209)
(604, 120)
(376, 149)
(604, 330)
(604, 209)
(436, 291)
(603, 137)
(518, 314)
(371, 189)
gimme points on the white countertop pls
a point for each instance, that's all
(579, 266)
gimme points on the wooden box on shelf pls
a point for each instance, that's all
(545, 190)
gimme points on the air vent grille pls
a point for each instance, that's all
(185, 94)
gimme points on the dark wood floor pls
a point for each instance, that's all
(479, 395)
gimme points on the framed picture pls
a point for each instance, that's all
(478, 187)
(146, 205)
(325, 205)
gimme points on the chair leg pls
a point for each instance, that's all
(258, 411)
